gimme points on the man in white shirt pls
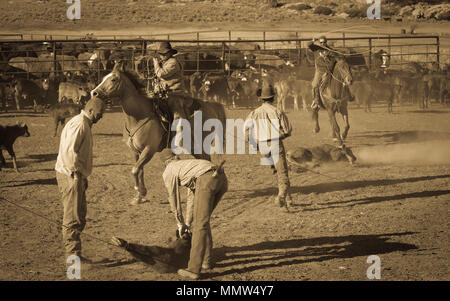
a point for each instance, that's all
(73, 167)
(209, 183)
(267, 128)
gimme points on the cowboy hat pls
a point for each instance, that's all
(165, 48)
(322, 39)
(266, 92)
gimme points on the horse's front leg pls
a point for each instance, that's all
(315, 117)
(346, 127)
(138, 173)
(336, 131)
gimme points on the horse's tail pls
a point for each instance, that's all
(218, 112)
(222, 117)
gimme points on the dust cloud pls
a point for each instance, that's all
(428, 152)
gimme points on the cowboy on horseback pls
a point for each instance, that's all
(324, 63)
(169, 73)
(168, 69)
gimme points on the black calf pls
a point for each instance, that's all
(9, 134)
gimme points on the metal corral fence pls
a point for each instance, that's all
(201, 50)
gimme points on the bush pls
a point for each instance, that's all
(390, 11)
(297, 6)
(355, 12)
(323, 10)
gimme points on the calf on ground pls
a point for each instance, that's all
(9, 134)
(163, 259)
(61, 111)
(307, 158)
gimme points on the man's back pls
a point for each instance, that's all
(75, 148)
(270, 115)
(187, 169)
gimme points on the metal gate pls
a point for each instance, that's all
(58, 56)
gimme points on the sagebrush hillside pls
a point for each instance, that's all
(22, 13)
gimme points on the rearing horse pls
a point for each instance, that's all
(334, 99)
(143, 129)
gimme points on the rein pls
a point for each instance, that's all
(132, 133)
(332, 75)
(335, 78)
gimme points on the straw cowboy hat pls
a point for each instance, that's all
(165, 48)
(266, 92)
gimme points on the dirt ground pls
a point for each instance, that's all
(393, 203)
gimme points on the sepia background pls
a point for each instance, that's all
(393, 203)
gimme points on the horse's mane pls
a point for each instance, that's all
(137, 81)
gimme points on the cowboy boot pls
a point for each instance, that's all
(160, 113)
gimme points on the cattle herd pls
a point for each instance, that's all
(57, 77)
(43, 74)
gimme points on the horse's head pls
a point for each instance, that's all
(112, 85)
(344, 71)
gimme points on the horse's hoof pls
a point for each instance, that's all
(137, 201)
(134, 171)
(316, 130)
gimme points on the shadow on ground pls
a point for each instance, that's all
(271, 254)
(49, 181)
(337, 186)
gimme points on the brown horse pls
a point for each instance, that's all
(144, 131)
(334, 99)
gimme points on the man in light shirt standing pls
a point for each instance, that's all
(73, 167)
(209, 183)
(267, 128)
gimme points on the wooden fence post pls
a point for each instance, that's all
(438, 46)
(55, 63)
(264, 39)
(299, 49)
(198, 51)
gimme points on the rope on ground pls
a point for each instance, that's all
(57, 223)
(81, 233)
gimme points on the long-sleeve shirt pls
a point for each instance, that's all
(267, 123)
(170, 72)
(324, 59)
(75, 147)
(183, 173)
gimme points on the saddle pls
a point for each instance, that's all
(162, 109)
(195, 106)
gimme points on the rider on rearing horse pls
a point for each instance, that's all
(324, 63)
(169, 72)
